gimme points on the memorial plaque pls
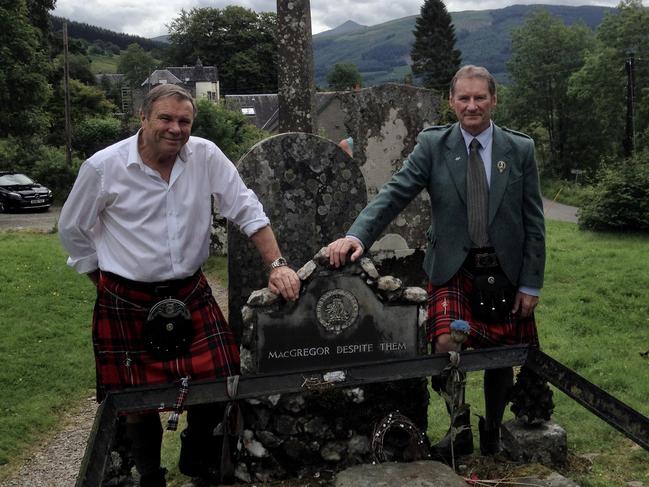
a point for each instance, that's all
(339, 320)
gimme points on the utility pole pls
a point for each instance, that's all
(66, 97)
(629, 129)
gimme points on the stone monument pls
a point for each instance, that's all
(344, 317)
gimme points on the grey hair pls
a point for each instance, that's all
(471, 71)
(165, 91)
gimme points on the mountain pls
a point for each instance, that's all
(162, 39)
(91, 33)
(382, 52)
(345, 28)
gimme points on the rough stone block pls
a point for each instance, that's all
(415, 474)
(545, 443)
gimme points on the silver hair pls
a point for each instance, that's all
(165, 91)
(471, 71)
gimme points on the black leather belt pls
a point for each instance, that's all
(159, 288)
(482, 258)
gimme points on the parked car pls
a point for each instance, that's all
(18, 192)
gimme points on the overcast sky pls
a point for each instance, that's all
(148, 18)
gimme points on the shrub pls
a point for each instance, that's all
(621, 197)
(226, 128)
(95, 133)
(52, 170)
(19, 154)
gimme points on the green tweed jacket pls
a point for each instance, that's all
(438, 165)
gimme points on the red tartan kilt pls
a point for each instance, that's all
(120, 355)
(451, 302)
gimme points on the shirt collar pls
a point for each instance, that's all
(134, 157)
(483, 137)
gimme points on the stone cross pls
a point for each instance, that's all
(296, 88)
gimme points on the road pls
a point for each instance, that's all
(45, 222)
(39, 221)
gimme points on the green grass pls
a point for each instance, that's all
(566, 192)
(593, 317)
(46, 362)
(100, 63)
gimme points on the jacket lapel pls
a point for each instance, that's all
(456, 160)
(500, 169)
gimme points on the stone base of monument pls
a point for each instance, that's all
(436, 474)
(543, 443)
(315, 434)
(346, 316)
(415, 474)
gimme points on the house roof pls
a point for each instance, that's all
(162, 75)
(195, 73)
(266, 107)
(183, 74)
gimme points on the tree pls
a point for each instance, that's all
(434, 57)
(602, 80)
(226, 128)
(136, 65)
(545, 53)
(24, 90)
(85, 101)
(344, 76)
(241, 44)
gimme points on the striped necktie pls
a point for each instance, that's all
(477, 193)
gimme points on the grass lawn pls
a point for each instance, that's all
(593, 317)
(100, 63)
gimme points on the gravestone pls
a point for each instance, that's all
(343, 317)
(311, 192)
(384, 122)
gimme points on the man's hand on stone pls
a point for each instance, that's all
(338, 251)
(524, 304)
(283, 280)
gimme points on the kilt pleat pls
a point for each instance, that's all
(451, 301)
(121, 357)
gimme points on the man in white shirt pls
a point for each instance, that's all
(138, 222)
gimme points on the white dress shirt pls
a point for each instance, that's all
(122, 217)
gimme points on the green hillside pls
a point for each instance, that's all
(382, 52)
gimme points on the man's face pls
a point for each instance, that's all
(472, 104)
(168, 126)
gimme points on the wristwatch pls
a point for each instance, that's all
(279, 262)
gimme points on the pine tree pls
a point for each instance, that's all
(434, 57)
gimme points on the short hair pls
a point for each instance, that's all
(165, 91)
(471, 71)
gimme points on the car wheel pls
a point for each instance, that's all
(2, 206)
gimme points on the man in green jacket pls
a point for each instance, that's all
(486, 245)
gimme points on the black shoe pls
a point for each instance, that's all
(490, 443)
(463, 444)
(154, 479)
